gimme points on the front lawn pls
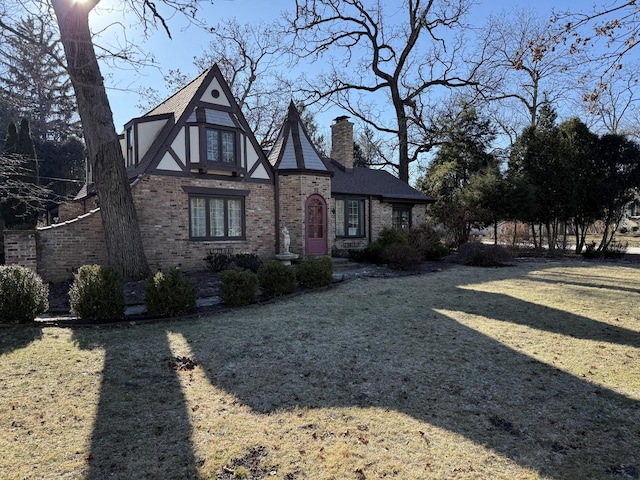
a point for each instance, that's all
(530, 371)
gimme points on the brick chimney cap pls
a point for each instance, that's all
(341, 118)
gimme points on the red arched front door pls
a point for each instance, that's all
(316, 221)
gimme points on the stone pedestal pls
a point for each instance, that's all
(286, 258)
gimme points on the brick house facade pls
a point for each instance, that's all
(201, 183)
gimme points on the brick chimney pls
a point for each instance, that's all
(342, 141)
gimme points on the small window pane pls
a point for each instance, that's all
(228, 147)
(235, 218)
(353, 217)
(213, 147)
(340, 218)
(216, 217)
(198, 217)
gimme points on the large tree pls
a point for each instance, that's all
(463, 156)
(122, 233)
(524, 69)
(380, 55)
(618, 166)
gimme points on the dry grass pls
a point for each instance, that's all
(522, 372)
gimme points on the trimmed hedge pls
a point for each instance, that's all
(276, 278)
(239, 287)
(23, 295)
(170, 294)
(315, 272)
(97, 292)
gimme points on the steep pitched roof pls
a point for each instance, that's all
(378, 183)
(179, 101)
(211, 92)
(293, 150)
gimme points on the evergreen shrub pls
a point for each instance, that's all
(276, 278)
(217, 262)
(23, 294)
(97, 292)
(248, 261)
(170, 294)
(239, 287)
(315, 272)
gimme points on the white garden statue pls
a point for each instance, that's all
(287, 240)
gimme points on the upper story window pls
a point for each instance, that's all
(130, 146)
(350, 217)
(220, 146)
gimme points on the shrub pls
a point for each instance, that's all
(97, 292)
(482, 255)
(616, 250)
(357, 255)
(217, 262)
(315, 272)
(276, 278)
(388, 236)
(248, 261)
(590, 250)
(428, 242)
(238, 287)
(23, 295)
(401, 256)
(170, 294)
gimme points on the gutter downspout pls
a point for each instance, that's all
(370, 220)
(277, 211)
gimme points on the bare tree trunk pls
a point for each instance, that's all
(122, 233)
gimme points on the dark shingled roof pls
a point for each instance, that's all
(179, 101)
(378, 183)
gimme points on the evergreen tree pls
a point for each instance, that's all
(618, 166)
(20, 202)
(463, 155)
(35, 84)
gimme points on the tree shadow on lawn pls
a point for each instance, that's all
(19, 336)
(142, 427)
(432, 367)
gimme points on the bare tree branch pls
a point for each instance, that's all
(395, 56)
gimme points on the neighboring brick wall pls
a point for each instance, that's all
(20, 248)
(64, 247)
(163, 215)
(294, 191)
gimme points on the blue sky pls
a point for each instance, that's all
(188, 42)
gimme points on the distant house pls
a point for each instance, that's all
(201, 183)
